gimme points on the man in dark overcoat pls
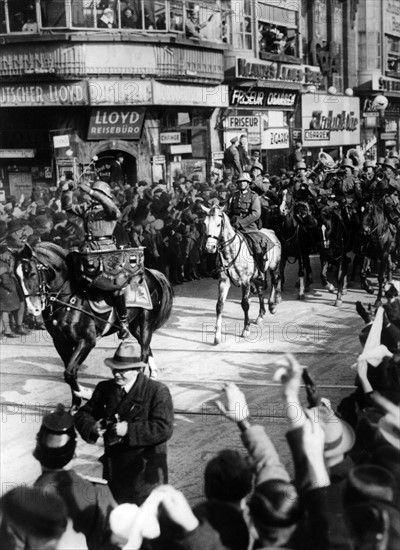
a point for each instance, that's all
(135, 416)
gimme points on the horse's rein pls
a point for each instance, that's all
(221, 245)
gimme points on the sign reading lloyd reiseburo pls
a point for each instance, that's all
(116, 122)
(330, 120)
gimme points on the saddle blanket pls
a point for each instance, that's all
(136, 295)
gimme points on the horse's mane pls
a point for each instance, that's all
(51, 253)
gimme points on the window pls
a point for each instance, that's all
(21, 16)
(277, 30)
(241, 25)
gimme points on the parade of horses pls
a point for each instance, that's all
(200, 274)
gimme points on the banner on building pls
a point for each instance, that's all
(116, 122)
(330, 120)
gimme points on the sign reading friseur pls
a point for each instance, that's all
(330, 120)
(116, 122)
(263, 97)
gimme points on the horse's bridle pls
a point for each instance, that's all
(219, 241)
(43, 290)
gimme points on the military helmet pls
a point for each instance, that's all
(56, 439)
(103, 187)
(245, 176)
(300, 166)
(369, 164)
(347, 163)
(257, 165)
(390, 163)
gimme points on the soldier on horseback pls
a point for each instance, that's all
(244, 211)
(389, 191)
(100, 216)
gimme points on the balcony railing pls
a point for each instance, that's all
(204, 20)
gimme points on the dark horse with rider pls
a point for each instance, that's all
(95, 291)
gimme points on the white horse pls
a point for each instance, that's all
(239, 267)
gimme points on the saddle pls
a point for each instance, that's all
(108, 270)
(136, 294)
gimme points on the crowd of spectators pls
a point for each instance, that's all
(344, 492)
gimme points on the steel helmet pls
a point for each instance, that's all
(347, 163)
(244, 177)
(391, 163)
(300, 166)
(258, 165)
(369, 164)
(103, 187)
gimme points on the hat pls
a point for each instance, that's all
(380, 161)
(369, 164)
(127, 356)
(394, 155)
(257, 165)
(347, 163)
(41, 220)
(390, 163)
(38, 513)
(15, 225)
(143, 183)
(108, 10)
(369, 482)
(339, 435)
(59, 217)
(245, 176)
(234, 139)
(56, 439)
(390, 431)
(300, 166)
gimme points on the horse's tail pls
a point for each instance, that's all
(163, 310)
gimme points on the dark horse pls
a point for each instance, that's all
(294, 232)
(49, 286)
(379, 238)
(337, 238)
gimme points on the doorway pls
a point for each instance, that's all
(106, 158)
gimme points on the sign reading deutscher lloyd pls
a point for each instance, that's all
(116, 122)
(331, 121)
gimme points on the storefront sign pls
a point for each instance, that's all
(37, 59)
(170, 137)
(17, 153)
(243, 122)
(271, 70)
(120, 123)
(120, 92)
(388, 135)
(391, 9)
(179, 94)
(386, 84)
(43, 95)
(335, 122)
(61, 141)
(275, 138)
(263, 97)
(181, 149)
(159, 159)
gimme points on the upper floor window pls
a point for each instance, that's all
(277, 29)
(203, 20)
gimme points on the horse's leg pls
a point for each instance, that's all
(301, 295)
(275, 294)
(326, 284)
(381, 278)
(365, 284)
(342, 273)
(144, 338)
(389, 269)
(81, 351)
(308, 270)
(223, 289)
(260, 292)
(282, 268)
(245, 305)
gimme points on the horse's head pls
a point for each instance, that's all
(35, 273)
(372, 217)
(214, 222)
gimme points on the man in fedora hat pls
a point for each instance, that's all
(135, 416)
(231, 161)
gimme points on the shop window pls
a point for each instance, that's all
(53, 13)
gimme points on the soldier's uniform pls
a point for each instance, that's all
(99, 219)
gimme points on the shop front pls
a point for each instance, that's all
(330, 123)
(263, 99)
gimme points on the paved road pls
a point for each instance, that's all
(322, 337)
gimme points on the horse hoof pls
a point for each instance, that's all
(278, 299)
(259, 320)
(272, 309)
(301, 297)
(344, 291)
(217, 341)
(330, 288)
(245, 333)
(338, 303)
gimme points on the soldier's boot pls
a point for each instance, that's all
(120, 306)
